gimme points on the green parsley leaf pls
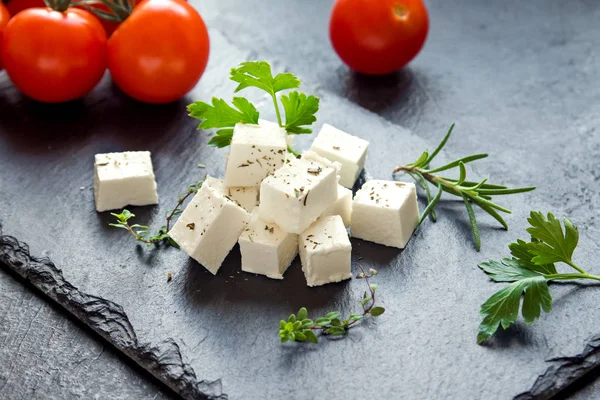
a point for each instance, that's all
(222, 115)
(520, 251)
(222, 138)
(300, 111)
(502, 309)
(258, 74)
(507, 270)
(550, 244)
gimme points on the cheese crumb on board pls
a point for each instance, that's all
(342, 206)
(325, 251)
(350, 151)
(255, 152)
(245, 197)
(297, 194)
(385, 212)
(122, 179)
(209, 227)
(266, 249)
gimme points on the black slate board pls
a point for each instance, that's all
(202, 334)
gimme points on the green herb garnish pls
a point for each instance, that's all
(300, 328)
(299, 108)
(529, 270)
(140, 232)
(478, 193)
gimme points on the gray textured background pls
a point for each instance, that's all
(519, 79)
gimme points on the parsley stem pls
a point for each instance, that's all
(274, 96)
(572, 264)
(560, 277)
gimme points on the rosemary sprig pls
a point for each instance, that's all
(300, 328)
(140, 232)
(478, 193)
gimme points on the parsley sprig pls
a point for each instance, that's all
(478, 193)
(299, 108)
(529, 270)
(300, 328)
(140, 232)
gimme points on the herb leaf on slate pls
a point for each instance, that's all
(529, 271)
(472, 193)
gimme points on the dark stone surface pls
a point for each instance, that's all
(519, 80)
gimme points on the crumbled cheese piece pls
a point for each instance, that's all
(266, 249)
(325, 251)
(245, 197)
(385, 212)
(350, 151)
(209, 227)
(122, 179)
(255, 152)
(297, 194)
(342, 206)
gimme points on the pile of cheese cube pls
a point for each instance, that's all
(273, 204)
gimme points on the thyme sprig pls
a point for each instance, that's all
(478, 193)
(140, 232)
(300, 328)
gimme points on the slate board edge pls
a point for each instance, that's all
(164, 360)
(108, 319)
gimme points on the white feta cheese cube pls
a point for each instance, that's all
(325, 251)
(122, 179)
(264, 122)
(311, 155)
(342, 206)
(385, 212)
(350, 151)
(209, 227)
(297, 194)
(266, 249)
(255, 152)
(245, 197)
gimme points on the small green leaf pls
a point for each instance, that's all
(292, 318)
(300, 112)
(118, 226)
(282, 324)
(301, 337)
(440, 146)
(377, 311)
(291, 336)
(355, 317)
(333, 314)
(473, 221)
(310, 336)
(374, 286)
(322, 321)
(335, 330)
(336, 322)
(307, 322)
(364, 301)
(302, 313)
(297, 325)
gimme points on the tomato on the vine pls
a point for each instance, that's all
(378, 37)
(54, 56)
(159, 52)
(4, 17)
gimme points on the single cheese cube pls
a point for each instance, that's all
(311, 155)
(297, 194)
(325, 251)
(342, 206)
(385, 212)
(264, 122)
(245, 197)
(122, 179)
(348, 150)
(266, 249)
(209, 227)
(255, 152)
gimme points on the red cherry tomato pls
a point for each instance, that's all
(15, 6)
(4, 17)
(378, 37)
(54, 56)
(158, 54)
